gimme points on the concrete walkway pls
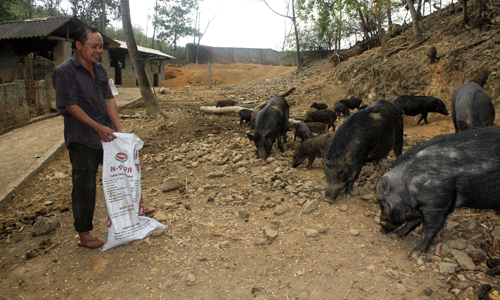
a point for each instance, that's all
(27, 150)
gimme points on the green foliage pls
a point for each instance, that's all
(172, 19)
(7, 10)
(28, 9)
(345, 17)
(142, 40)
(90, 11)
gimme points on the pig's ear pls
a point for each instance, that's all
(383, 186)
(250, 136)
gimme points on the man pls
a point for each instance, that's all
(90, 115)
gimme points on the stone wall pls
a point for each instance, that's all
(228, 55)
(251, 55)
(16, 107)
(14, 110)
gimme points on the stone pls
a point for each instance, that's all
(311, 233)
(343, 208)
(190, 278)
(392, 273)
(157, 232)
(271, 233)
(463, 259)
(170, 183)
(353, 231)
(496, 233)
(192, 154)
(260, 241)
(160, 216)
(447, 268)
(310, 206)
(455, 244)
(301, 201)
(321, 228)
(243, 214)
(215, 174)
(258, 179)
(44, 225)
(281, 209)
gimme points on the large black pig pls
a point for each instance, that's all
(429, 181)
(271, 125)
(471, 108)
(368, 135)
(415, 105)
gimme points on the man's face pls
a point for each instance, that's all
(91, 50)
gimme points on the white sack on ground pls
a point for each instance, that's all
(121, 178)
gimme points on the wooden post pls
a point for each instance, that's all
(209, 75)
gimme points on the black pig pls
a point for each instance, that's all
(352, 103)
(224, 103)
(303, 132)
(319, 106)
(368, 135)
(311, 148)
(414, 105)
(324, 116)
(271, 125)
(245, 115)
(471, 107)
(341, 109)
(429, 181)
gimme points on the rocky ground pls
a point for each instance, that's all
(242, 228)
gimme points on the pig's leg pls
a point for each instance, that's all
(433, 222)
(406, 228)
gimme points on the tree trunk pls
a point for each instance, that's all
(299, 60)
(103, 16)
(466, 16)
(152, 107)
(416, 26)
(154, 25)
(363, 24)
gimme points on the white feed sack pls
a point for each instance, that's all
(121, 178)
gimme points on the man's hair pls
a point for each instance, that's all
(81, 33)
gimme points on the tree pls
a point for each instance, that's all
(152, 107)
(7, 12)
(296, 30)
(416, 23)
(97, 13)
(172, 19)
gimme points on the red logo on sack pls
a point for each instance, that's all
(122, 157)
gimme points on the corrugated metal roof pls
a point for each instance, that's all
(33, 28)
(123, 45)
(43, 27)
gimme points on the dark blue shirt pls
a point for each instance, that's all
(75, 86)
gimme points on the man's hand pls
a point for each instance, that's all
(106, 134)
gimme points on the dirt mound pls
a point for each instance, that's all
(196, 75)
